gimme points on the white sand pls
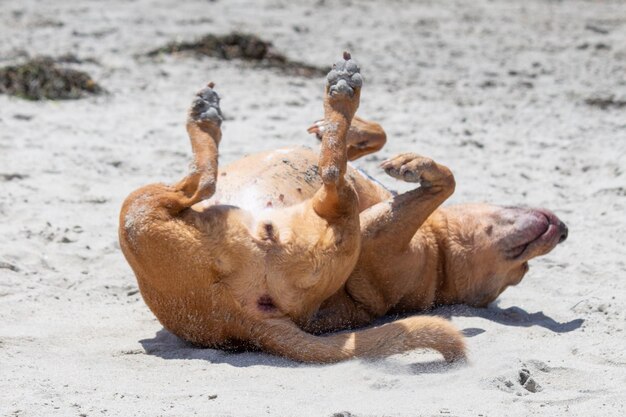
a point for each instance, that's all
(494, 89)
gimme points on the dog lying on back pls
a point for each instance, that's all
(290, 243)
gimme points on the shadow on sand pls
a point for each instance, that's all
(168, 346)
(512, 316)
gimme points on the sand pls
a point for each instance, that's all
(507, 94)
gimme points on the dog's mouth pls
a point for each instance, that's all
(538, 228)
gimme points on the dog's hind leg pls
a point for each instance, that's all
(204, 128)
(363, 138)
(160, 202)
(329, 221)
(341, 100)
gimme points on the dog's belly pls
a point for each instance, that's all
(282, 178)
(265, 180)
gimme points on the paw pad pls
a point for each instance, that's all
(345, 76)
(206, 106)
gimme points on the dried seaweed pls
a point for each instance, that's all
(242, 46)
(606, 102)
(41, 78)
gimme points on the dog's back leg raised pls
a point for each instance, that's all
(341, 100)
(162, 244)
(203, 126)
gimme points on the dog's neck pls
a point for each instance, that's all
(434, 265)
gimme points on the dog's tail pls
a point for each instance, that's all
(283, 337)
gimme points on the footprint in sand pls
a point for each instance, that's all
(523, 380)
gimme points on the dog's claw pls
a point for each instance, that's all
(206, 106)
(344, 77)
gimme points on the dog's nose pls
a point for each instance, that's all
(563, 231)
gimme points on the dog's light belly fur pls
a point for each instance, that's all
(282, 178)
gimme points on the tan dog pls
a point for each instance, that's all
(288, 241)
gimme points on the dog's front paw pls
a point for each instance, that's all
(411, 167)
(206, 106)
(345, 77)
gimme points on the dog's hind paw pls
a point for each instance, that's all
(344, 77)
(411, 167)
(206, 106)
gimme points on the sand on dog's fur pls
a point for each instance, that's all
(495, 90)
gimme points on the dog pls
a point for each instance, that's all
(281, 246)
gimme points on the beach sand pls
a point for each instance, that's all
(525, 101)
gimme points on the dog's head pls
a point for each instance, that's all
(487, 247)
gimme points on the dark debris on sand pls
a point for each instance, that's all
(242, 46)
(41, 78)
(606, 102)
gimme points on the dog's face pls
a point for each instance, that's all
(488, 247)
